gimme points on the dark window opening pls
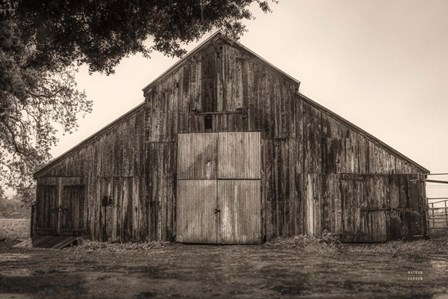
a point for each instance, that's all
(208, 123)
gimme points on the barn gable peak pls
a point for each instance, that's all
(215, 39)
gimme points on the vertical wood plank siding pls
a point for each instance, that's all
(238, 156)
(72, 208)
(197, 156)
(307, 156)
(196, 211)
(240, 209)
(46, 207)
(110, 164)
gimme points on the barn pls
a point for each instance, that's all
(226, 150)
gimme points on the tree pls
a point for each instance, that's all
(33, 100)
(42, 43)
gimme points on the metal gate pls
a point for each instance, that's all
(437, 206)
(438, 215)
(218, 188)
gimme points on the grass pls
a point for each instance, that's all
(436, 245)
(114, 247)
(325, 243)
(329, 243)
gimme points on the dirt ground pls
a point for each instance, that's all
(297, 268)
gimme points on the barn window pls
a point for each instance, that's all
(107, 201)
(208, 123)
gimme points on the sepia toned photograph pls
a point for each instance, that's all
(223, 149)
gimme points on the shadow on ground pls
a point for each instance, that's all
(185, 271)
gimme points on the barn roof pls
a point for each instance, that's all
(215, 36)
(89, 139)
(362, 132)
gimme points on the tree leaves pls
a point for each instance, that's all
(42, 42)
(33, 101)
(100, 33)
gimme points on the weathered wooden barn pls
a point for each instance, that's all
(225, 149)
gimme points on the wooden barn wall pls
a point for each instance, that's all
(332, 150)
(239, 92)
(304, 150)
(111, 164)
(331, 146)
(343, 203)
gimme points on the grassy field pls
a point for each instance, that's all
(14, 228)
(296, 267)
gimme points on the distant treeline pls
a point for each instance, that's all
(13, 208)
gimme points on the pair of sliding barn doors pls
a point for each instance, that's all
(59, 207)
(218, 188)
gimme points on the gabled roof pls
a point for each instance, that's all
(216, 36)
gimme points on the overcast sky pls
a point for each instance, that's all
(381, 64)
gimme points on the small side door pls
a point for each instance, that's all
(363, 208)
(59, 206)
(47, 210)
(72, 207)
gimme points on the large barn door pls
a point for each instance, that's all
(239, 202)
(218, 188)
(197, 188)
(363, 209)
(196, 219)
(239, 187)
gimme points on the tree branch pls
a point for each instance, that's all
(13, 138)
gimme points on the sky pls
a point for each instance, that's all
(381, 64)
